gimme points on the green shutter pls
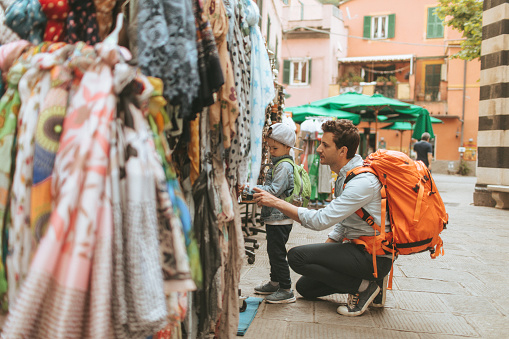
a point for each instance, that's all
(286, 71)
(435, 27)
(367, 27)
(392, 26)
(309, 71)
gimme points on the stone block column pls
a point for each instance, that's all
(493, 138)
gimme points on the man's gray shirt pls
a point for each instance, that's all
(361, 191)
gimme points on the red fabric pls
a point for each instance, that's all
(56, 12)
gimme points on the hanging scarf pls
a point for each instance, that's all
(209, 67)
(6, 34)
(240, 54)
(104, 16)
(167, 49)
(224, 112)
(56, 11)
(80, 225)
(81, 23)
(26, 18)
(262, 88)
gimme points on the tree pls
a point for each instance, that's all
(466, 17)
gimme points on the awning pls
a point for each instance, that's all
(377, 58)
(380, 58)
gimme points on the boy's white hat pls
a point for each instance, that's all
(283, 134)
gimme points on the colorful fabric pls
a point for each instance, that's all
(224, 112)
(209, 67)
(56, 11)
(47, 139)
(6, 34)
(262, 88)
(9, 53)
(81, 24)
(26, 18)
(104, 10)
(62, 293)
(167, 49)
(240, 53)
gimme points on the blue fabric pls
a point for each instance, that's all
(26, 18)
(246, 317)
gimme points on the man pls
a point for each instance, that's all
(424, 150)
(338, 265)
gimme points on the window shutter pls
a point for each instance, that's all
(392, 26)
(309, 71)
(439, 27)
(430, 30)
(367, 27)
(286, 72)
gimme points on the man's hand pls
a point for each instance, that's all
(264, 198)
(330, 240)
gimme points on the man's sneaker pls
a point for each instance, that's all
(379, 300)
(359, 302)
(281, 297)
(266, 288)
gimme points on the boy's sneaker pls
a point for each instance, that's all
(281, 297)
(359, 302)
(266, 288)
(379, 300)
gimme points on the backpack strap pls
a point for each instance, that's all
(290, 161)
(368, 218)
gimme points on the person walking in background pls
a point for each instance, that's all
(424, 150)
(279, 183)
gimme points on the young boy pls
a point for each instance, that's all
(278, 182)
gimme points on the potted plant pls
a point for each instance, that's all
(392, 81)
(356, 79)
(344, 81)
(380, 81)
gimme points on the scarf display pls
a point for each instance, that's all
(119, 213)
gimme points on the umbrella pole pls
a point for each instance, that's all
(376, 129)
(401, 141)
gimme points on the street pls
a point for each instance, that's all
(461, 294)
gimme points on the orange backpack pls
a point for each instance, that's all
(410, 196)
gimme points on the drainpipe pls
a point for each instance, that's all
(301, 10)
(463, 107)
(464, 99)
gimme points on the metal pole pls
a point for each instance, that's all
(464, 100)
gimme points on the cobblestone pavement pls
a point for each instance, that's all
(459, 295)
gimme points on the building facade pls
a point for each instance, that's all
(401, 49)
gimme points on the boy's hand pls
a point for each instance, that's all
(264, 198)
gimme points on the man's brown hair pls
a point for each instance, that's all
(344, 134)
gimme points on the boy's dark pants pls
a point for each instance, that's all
(277, 236)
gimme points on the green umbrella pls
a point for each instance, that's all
(423, 124)
(400, 126)
(300, 113)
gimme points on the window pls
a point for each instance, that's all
(297, 72)
(435, 28)
(379, 27)
(432, 82)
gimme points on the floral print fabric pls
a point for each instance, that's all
(167, 49)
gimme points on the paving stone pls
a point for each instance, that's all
(429, 285)
(419, 301)
(266, 328)
(490, 326)
(422, 322)
(326, 313)
(503, 304)
(301, 311)
(444, 336)
(329, 331)
(436, 273)
(469, 305)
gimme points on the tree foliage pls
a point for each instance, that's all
(466, 17)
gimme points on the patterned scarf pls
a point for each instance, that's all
(25, 17)
(167, 49)
(56, 11)
(82, 23)
(262, 88)
(104, 16)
